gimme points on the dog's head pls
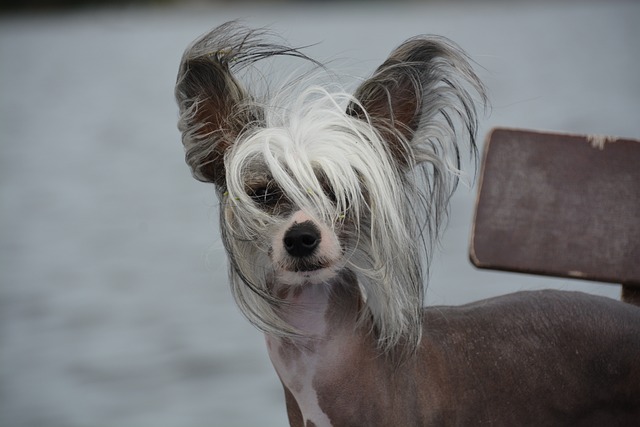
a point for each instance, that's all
(323, 187)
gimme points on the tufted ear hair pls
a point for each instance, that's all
(423, 85)
(215, 109)
(211, 104)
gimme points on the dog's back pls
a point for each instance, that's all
(534, 358)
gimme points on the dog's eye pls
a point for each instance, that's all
(331, 195)
(265, 196)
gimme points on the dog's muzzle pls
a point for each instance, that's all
(302, 240)
(305, 251)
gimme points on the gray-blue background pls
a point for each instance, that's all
(114, 305)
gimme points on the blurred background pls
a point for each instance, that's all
(114, 303)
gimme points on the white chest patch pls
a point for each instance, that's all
(296, 368)
(297, 361)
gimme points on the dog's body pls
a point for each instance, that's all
(330, 205)
(547, 358)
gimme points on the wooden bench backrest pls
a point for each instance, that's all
(559, 205)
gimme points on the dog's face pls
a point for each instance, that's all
(286, 226)
(311, 194)
(327, 185)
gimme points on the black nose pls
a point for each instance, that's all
(302, 239)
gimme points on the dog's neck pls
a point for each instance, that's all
(326, 315)
(319, 311)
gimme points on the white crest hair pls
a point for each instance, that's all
(390, 178)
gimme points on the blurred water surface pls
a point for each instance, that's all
(114, 304)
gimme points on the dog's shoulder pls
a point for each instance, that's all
(537, 350)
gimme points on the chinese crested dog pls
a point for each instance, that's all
(331, 202)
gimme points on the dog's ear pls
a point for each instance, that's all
(213, 105)
(423, 83)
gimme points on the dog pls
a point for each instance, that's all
(331, 202)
